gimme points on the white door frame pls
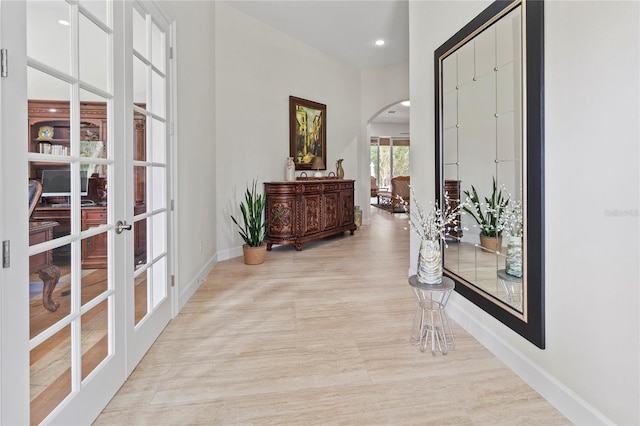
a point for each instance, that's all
(14, 344)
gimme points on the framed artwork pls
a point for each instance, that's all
(307, 134)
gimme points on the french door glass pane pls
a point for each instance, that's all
(140, 296)
(139, 81)
(96, 8)
(159, 240)
(157, 47)
(49, 289)
(158, 105)
(93, 131)
(159, 148)
(49, 34)
(139, 33)
(94, 337)
(50, 365)
(159, 190)
(93, 43)
(159, 281)
(44, 86)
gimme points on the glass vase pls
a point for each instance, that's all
(514, 257)
(357, 216)
(429, 262)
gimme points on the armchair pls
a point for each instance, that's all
(374, 187)
(400, 187)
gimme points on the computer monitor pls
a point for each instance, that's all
(57, 183)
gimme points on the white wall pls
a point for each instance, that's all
(195, 142)
(397, 130)
(590, 368)
(257, 69)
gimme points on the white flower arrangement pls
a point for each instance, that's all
(510, 220)
(435, 224)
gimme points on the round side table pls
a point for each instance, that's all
(430, 322)
(512, 286)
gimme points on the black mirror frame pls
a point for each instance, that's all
(532, 326)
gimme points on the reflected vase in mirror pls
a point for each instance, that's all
(429, 262)
(514, 257)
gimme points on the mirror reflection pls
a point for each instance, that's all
(482, 148)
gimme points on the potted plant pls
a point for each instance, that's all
(254, 225)
(487, 215)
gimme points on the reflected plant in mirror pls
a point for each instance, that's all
(493, 207)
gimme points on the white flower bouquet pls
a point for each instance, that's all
(435, 224)
(510, 220)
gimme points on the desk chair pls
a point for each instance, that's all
(35, 192)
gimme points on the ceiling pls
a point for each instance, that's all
(345, 30)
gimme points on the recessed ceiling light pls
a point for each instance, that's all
(63, 22)
(53, 110)
(405, 103)
(380, 42)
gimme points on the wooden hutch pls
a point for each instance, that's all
(49, 132)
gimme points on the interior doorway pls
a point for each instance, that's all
(389, 147)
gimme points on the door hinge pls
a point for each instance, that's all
(171, 129)
(6, 253)
(170, 52)
(173, 280)
(4, 66)
(171, 205)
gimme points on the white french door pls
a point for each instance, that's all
(86, 294)
(147, 67)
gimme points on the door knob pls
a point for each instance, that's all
(121, 226)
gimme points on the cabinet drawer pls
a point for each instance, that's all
(94, 215)
(331, 187)
(346, 185)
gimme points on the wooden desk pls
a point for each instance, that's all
(42, 263)
(94, 249)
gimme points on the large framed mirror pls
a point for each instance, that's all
(489, 89)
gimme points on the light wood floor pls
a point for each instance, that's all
(318, 337)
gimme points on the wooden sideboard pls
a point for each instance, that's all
(314, 209)
(452, 189)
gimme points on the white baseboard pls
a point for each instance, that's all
(576, 409)
(229, 253)
(194, 284)
(191, 288)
